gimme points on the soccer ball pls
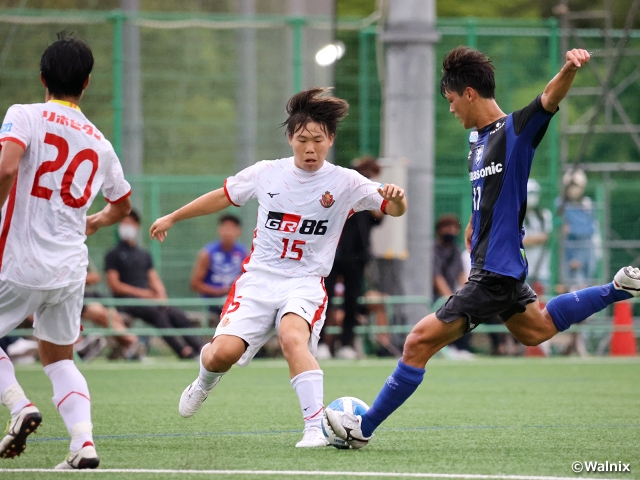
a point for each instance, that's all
(343, 404)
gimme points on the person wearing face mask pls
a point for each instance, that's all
(538, 224)
(130, 274)
(580, 229)
(449, 273)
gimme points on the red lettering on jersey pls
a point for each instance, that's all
(52, 117)
(88, 129)
(62, 120)
(75, 125)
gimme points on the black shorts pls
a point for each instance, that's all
(485, 296)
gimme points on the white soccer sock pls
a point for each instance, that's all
(206, 379)
(11, 393)
(309, 387)
(71, 398)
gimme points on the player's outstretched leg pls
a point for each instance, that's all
(216, 358)
(574, 307)
(71, 398)
(25, 416)
(399, 386)
(426, 338)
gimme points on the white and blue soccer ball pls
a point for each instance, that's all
(343, 404)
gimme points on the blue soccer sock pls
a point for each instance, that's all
(574, 307)
(399, 386)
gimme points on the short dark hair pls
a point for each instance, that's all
(314, 105)
(230, 218)
(366, 166)
(135, 216)
(465, 67)
(446, 220)
(65, 65)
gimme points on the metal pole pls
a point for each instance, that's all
(472, 35)
(409, 129)
(554, 153)
(133, 131)
(363, 80)
(297, 24)
(247, 107)
(116, 138)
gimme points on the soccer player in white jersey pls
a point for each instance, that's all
(304, 202)
(52, 163)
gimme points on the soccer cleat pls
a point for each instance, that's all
(347, 426)
(312, 437)
(83, 459)
(628, 279)
(18, 429)
(192, 398)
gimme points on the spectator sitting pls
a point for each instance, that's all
(128, 345)
(130, 274)
(219, 263)
(449, 273)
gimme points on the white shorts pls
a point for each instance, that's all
(257, 302)
(56, 312)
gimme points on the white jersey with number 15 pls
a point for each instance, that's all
(301, 214)
(66, 161)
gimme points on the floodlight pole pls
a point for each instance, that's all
(409, 129)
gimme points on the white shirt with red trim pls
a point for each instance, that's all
(66, 161)
(301, 214)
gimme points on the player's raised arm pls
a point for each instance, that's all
(207, 204)
(559, 85)
(395, 196)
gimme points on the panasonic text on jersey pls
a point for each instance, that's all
(486, 171)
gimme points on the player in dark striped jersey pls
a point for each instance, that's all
(501, 152)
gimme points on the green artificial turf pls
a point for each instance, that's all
(490, 416)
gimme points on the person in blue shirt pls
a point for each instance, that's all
(219, 263)
(501, 152)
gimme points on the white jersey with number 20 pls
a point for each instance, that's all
(301, 214)
(66, 161)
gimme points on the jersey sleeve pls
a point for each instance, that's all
(365, 194)
(16, 126)
(241, 187)
(532, 121)
(115, 188)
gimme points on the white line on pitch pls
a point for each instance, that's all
(306, 473)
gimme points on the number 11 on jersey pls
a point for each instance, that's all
(295, 249)
(477, 195)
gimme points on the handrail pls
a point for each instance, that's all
(388, 300)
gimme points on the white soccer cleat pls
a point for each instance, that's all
(347, 426)
(312, 437)
(192, 398)
(83, 459)
(19, 428)
(628, 279)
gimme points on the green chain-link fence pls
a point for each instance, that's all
(190, 75)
